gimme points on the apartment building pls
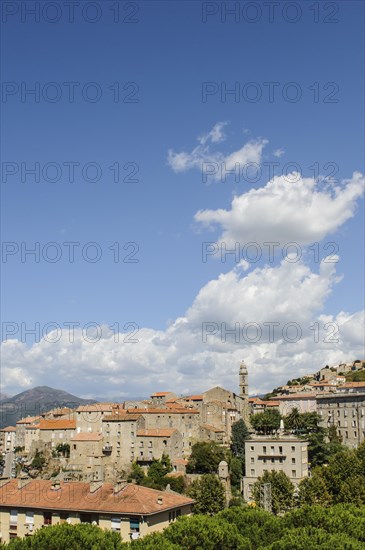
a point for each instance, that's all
(21, 427)
(119, 431)
(288, 454)
(345, 411)
(304, 402)
(27, 505)
(7, 439)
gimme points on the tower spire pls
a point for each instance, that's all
(243, 384)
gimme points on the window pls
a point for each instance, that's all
(293, 449)
(29, 517)
(293, 460)
(47, 518)
(272, 450)
(294, 473)
(115, 524)
(251, 448)
(13, 518)
(134, 525)
(252, 472)
(280, 450)
(264, 450)
(252, 460)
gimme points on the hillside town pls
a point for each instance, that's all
(95, 448)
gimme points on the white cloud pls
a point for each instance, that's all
(279, 153)
(184, 358)
(216, 134)
(250, 152)
(288, 208)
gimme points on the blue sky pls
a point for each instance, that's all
(169, 53)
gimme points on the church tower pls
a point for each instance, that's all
(243, 383)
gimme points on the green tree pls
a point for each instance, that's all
(208, 533)
(136, 475)
(282, 490)
(177, 483)
(238, 437)
(314, 490)
(72, 537)
(311, 537)
(63, 449)
(208, 493)
(236, 470)
(260, 527)
(266, 422)
(205, 458)
(38, 461)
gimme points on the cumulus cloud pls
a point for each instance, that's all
(262, 308)
(202, 154)
(287, 208)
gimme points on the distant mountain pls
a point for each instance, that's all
(35, 402)
(4, 396)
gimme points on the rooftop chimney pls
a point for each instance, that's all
(119, 486)
(56, 485)
(95, 484)
(23, 481)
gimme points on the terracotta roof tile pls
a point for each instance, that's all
(57, 424)
(76, 496)
(28, 420)
(97, 407)
(8, 429)
(163, 411)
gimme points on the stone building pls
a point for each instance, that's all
(89, 417)
(153, 443)
(288, 454)
(56, 431)
(21, 427)
(346, 412)
(86, 455)
(132, 511)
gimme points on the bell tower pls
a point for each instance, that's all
(243, 384)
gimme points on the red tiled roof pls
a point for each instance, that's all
(183, 410)
(76, 496)
(194, 397)
(28, 420)
(97, 407)
(87, 437)
(122, 416)
(57, 424)
(161, 393)
(8, 429)
(156, 432)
